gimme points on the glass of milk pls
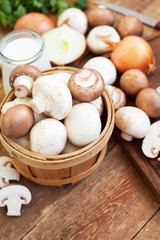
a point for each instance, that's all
(21, 47)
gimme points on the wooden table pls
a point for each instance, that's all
(114, 203)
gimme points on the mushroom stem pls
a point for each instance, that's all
(40, 104)
(126, 136)
(23, 86)
(14, 206)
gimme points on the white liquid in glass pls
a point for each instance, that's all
(22, 51)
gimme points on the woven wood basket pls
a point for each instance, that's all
(58, 170)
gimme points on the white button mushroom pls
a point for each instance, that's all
(133, 122)
(105, 67)
(62, 76)
(48, 137)
(22, 79)
(51, 97)
(97, 36)
(83, 124)
(13, 196)
(7, 172)
(75, 18)
(151, 142)
(70, 147)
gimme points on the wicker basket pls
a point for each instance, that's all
(58, 170)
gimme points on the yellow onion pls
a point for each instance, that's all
(35, 21)
(132, 52)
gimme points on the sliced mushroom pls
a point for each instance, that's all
(133, 122)
(151, 142)
(52, 97)
(86, 85)
(13, 196)
(22, 79)
(48, 137)
(118, 96)
(7, 172)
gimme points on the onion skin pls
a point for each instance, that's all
(133, 52)
(38, 22)
(99, 16)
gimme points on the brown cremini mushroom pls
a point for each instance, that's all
(22, 79)
(17, 121)
(148, 99)
(86, 85)
(133, 81)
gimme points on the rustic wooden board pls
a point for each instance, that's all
(148, 168)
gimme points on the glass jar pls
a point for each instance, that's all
(21, 47)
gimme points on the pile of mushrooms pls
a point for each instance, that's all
(62, 108)
(12, 195)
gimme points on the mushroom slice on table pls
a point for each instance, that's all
(133, 122)
(118, 96)
(13, 196)
(7, 172)
(86, 85)
(22, 79)
(151, 142)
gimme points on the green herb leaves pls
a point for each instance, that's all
(12, 10)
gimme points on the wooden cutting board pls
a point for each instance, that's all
(148, 168)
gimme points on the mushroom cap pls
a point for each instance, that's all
(83, 124)
(75, 18)
(118, 96)
(48, 137)
(105, 67)
(86, 85)
(17, 121)
(132, 121)
(148, 99)
(96, 37)
(57, 95)
(15, 190)
(22, 70)
(133, 81)
(151, 142)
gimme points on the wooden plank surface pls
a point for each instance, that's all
(113, 203)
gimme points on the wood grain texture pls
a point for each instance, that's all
(151, 230)
(100, 206)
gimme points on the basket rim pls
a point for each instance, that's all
(67, 157)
